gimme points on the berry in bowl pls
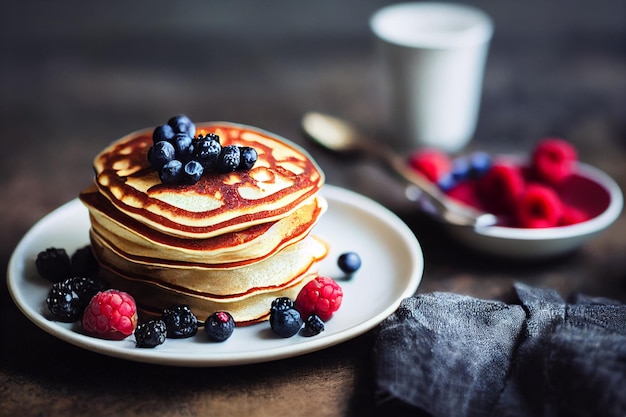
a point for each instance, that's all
(547, 203)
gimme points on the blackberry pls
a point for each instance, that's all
(150, 334)
(163, 132)
(180, 322)
(285, 323)
(281, 303)
(229, 159)
(172, 172)
(182, 124)
(248, 157)
(192, 172)
(207, 150)
(213, 136)
(64, 303)
(313, 325)
(219, 326)
(160, 154)
(84, 287)
(84, 263)
(182, 158)
(349, 262)
(53, 264)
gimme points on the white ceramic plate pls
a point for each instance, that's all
(392, 266)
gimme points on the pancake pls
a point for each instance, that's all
(229, 242)
(142, 244)
(246, 293)
(152, 299)
(282, 179)
(278, 271)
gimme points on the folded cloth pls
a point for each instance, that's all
(452, 355)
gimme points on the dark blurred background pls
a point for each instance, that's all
(76, 75)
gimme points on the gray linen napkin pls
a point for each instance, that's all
(452, 355)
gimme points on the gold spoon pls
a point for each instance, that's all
(340, 136)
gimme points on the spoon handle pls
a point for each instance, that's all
(447, 208)
(339, 136)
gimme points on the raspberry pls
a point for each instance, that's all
(539, 206)
(500, 188)
(111, 314)
(572, 215)
(466, 192)
(553, 159)
(321, 296)
(432, 163)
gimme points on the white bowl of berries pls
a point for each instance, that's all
(547, 203)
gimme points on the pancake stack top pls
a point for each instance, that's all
(232, 241)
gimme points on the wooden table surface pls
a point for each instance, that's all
(74, 76)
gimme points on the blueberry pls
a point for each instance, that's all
(163, 132)
(248, 158)
(53, 264)
(193, 171)
(180, 322)
(182, 124)
(219, 326)
(480, 162)
(349, 262)
(150, 334)
(313, 325)
(229, 158)
(461, 169)
(172, 172)
(160, 154)
(207, 151)
(281, 303)
(447, 182)
(285, 323)
(182, 146)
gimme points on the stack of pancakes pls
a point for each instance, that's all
(231, 242)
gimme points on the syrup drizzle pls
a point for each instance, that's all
(127, 159)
